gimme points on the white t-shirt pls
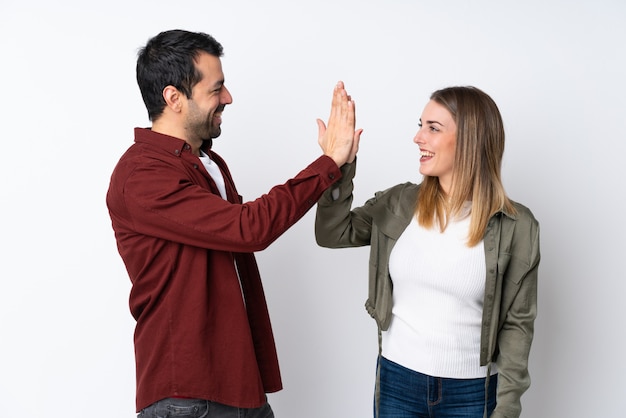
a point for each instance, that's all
(215, 173)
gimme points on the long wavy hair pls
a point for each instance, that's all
(477, 165)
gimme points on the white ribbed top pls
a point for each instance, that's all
(438, 288)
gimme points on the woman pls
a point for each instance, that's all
(453, 268)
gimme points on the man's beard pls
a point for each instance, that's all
(207, 130)
(214, 131)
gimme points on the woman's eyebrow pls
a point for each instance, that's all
(432, 122)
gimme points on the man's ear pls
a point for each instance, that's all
(173, 98)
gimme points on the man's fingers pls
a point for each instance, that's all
(321, 127)
(337, 102)
(338, 137)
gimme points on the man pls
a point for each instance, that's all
(203, 339)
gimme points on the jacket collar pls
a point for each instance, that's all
(167, 143)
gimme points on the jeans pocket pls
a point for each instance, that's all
(187, 408)
(176, 408)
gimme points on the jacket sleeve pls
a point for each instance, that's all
(516, 328)
(336, 226)
(160, 200)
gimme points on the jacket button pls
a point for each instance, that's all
(332, 176)
(195, 166)
(177, 151)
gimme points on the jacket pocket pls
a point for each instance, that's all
(513, 268)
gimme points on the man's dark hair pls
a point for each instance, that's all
(169, 59)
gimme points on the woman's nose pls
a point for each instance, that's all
(418, 137)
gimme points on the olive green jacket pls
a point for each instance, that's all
(512, 256)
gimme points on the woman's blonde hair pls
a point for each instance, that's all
(477, 165)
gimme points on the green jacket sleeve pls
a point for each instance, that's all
(336, 226)
(518, 311)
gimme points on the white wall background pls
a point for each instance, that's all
(69, 103)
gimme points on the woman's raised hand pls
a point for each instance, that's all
(339, 140)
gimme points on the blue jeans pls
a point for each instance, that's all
(198, 408)
(405, 393)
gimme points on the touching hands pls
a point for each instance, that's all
(339, 140)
